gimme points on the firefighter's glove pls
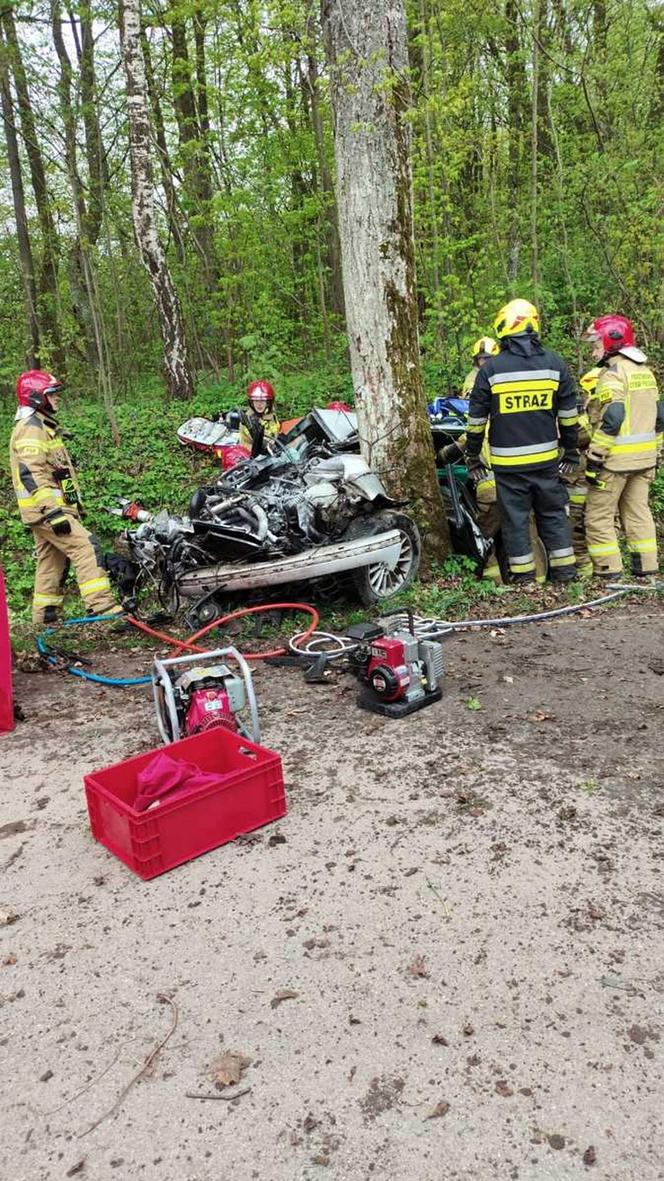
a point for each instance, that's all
(450, 454)
(60, 525)
(568, 464)
(477, 471)
(594, 474)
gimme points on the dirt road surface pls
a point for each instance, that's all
(466, 908)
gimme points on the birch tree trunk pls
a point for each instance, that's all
(367, 49)
(176, 361)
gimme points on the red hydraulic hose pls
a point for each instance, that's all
(191, 646)
(163, 636)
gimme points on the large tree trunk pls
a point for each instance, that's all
(176, 360)
(367, 46)
(48, 278)
(22, 233)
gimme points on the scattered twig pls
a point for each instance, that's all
(226, 1098)
(446, 909)
(78, 1094)
(144, 1068)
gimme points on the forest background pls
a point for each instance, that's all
(537, 167)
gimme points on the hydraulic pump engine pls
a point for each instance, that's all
(401, 672)
(194, 693)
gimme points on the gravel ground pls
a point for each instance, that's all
(466, 907)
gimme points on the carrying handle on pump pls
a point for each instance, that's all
(162, 681)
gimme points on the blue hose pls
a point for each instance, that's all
(96, 678)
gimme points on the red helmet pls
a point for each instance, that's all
(260, 391)
(615, 333)
(33, 388)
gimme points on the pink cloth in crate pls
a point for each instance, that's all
(164, 776)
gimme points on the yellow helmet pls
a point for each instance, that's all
(485, 347)
(590, 379)
(516, 317)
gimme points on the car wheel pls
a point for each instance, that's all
(377, 583)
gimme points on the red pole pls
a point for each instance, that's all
(6, 695)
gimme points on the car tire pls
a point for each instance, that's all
(376, 583)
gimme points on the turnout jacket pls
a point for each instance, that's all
(42, 473)
(526, 396)
(269, 422)
(626, 416)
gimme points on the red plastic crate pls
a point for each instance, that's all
(250, 793)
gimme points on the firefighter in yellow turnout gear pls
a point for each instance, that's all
(260, 416)
(627, 423)
(575, 480)
(49, 503)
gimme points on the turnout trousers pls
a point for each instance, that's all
(55, 554)
(624, 494)
(577, 490)
(488, 518)
(539, 491)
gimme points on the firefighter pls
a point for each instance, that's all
(627, 421)
(260, 396)
(50, 504)
(483, 348)
(526, 396)
(575, 479)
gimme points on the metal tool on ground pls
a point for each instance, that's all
(197, 692)
(401, 672)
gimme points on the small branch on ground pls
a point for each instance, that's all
(144, 1068)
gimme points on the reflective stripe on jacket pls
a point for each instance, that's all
(527, 398)
(42, 473)
(269, 422)
(626, 417)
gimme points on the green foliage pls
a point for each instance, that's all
(272, 304)
(264, 149)
(657, 495)
(590, 786)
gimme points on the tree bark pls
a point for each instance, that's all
(515, 91)
(333, 249)
(83, 247)
(165, 164)
(176, 360)
(542, 33)
(534, 149)
(48, 278)
(367, 49)
(94, 148)
(194, 151)
(20, 215)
